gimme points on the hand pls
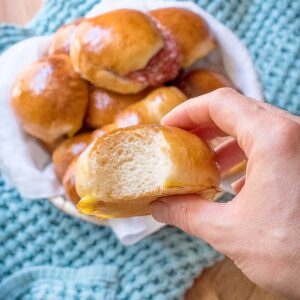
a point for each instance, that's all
(260, 228)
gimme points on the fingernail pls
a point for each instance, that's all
(159, 211)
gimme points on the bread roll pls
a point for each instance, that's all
(190, 31)
(201, 81)
(119, 174)
(124, 51)
(151, 110)
(62, 38)
(49, 98)
(68, 150)
(69, 182)
(103, 130)
(104, 105)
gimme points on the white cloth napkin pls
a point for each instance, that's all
(28, 167)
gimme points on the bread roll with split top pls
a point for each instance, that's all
(104, 105)
(202, 81)
(69, 182)
(122, 172)
(189, 30)
(68, 150)
(49, 98)
(150, 110)
(124, 51)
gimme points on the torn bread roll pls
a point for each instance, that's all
(104, 105)
(190, 31)
(121, 173)
(152, 109)
(124, 51)
(50, 99)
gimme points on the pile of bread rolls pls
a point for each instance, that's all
(119, 69)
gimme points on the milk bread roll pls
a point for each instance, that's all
(150, 110)
(189, 30)
(122, 172)
(49, 98)
(68, 150)
(124, 51)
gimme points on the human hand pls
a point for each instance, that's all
(260, 228)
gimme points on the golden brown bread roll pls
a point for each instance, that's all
(49, 98)
(68, 150)
(150, 110)
(190, 31)
(62, 38)
(103, 130)
(124, 51)
(104, 105)
(69, 182)
(201, 81)
(119, 174)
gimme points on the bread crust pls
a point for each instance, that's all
(49, 98)
(190, 31)
(103, 130)
(104, 50)
(201, 81)
(104, 105)
(62, 39)
(150, 110)
(69, 182)
(68, 150)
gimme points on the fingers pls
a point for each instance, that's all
(228, 155)
(225, 110)
(278, 111)
(202, 218)
(238, 185)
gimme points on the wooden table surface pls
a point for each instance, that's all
(224, 281)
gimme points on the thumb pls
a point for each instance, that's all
(202, 218)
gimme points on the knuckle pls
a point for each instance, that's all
(287, 134)
(225, 92)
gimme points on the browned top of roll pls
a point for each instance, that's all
(151, 109)
(62, 38)
(49, 98)
(190, 31)
(121, 41)
(104, 105)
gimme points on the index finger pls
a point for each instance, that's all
(225, 110)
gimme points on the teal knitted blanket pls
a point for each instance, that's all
(45, 254)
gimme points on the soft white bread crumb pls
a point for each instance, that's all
(122, 172)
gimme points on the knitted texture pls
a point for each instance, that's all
(164, 265)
